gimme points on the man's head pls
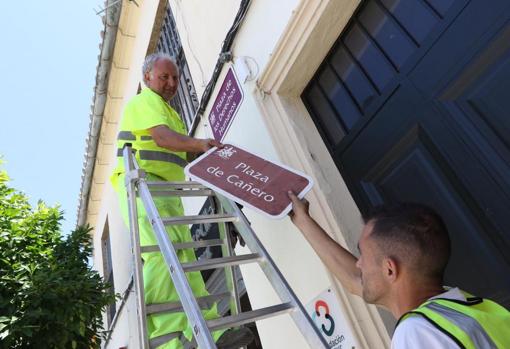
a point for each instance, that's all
(161, 75)
(404, 241)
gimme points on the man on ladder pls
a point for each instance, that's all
(158, 136)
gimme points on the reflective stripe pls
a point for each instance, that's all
(162, 156)
(466, 323)
(159, 156)
(126, 136)
(129, 136)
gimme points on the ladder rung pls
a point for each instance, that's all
(183, 193)
(203, 302)
(175, 185)
(215, 263)
(199, 219)
(157, 341)
(249, 316)
(185, 245)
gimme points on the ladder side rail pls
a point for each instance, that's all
(280, 284)
(198, 324)
(227, 250)
(232, 274)
(129, 166)
(231, 271)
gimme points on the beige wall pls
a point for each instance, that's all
(285, 41)
(133, 36)
(202, 28)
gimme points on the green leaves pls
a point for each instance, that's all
(49, 296)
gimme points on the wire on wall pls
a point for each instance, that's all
(224, 56)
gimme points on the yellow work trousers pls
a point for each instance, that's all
(158, 285)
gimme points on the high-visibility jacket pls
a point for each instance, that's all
(476, 323)
(142, 112)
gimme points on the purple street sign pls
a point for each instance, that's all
(249, 179)
(226, 105)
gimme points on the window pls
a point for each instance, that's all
(362, 67)
(108, 269)
(185, 101)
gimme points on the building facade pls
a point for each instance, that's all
(377, 100)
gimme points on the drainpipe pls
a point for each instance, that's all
(109, 33)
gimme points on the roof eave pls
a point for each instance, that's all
(109, 34)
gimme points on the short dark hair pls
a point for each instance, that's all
(412, 234)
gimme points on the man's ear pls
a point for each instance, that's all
(147, 76)
(391, 269)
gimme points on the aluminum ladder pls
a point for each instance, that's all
(137, 186)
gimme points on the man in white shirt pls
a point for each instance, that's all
(417, 332)
(404, 250)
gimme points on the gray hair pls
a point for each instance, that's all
(151, 59)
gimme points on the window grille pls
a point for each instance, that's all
(378, 45)
(185, 101)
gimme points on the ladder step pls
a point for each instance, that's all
(185, 245)
(204, 302)
(183, 193)
(157, 341)
(175, 185)
(199, 219)
(249, 316)
(215, 263)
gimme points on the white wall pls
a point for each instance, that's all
(202, 28)
(301, 267)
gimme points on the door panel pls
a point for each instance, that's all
(413, 171)
(414, 160)
(443, 138)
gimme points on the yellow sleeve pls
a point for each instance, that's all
(144, 112)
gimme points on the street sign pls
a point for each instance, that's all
(249, 179)
(226, 105)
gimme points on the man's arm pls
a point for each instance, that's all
(336, 258)
(174, 141)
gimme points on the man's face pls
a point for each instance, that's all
(375, 286)
(163, 78)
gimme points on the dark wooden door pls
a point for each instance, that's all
(437, 132)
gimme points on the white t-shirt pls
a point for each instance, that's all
(416, 332)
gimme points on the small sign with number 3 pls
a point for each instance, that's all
(327, 316)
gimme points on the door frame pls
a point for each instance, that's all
(312, 30)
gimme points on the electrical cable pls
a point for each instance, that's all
(224, 56)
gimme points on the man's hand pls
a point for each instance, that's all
(209, 143)
(299, 214)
